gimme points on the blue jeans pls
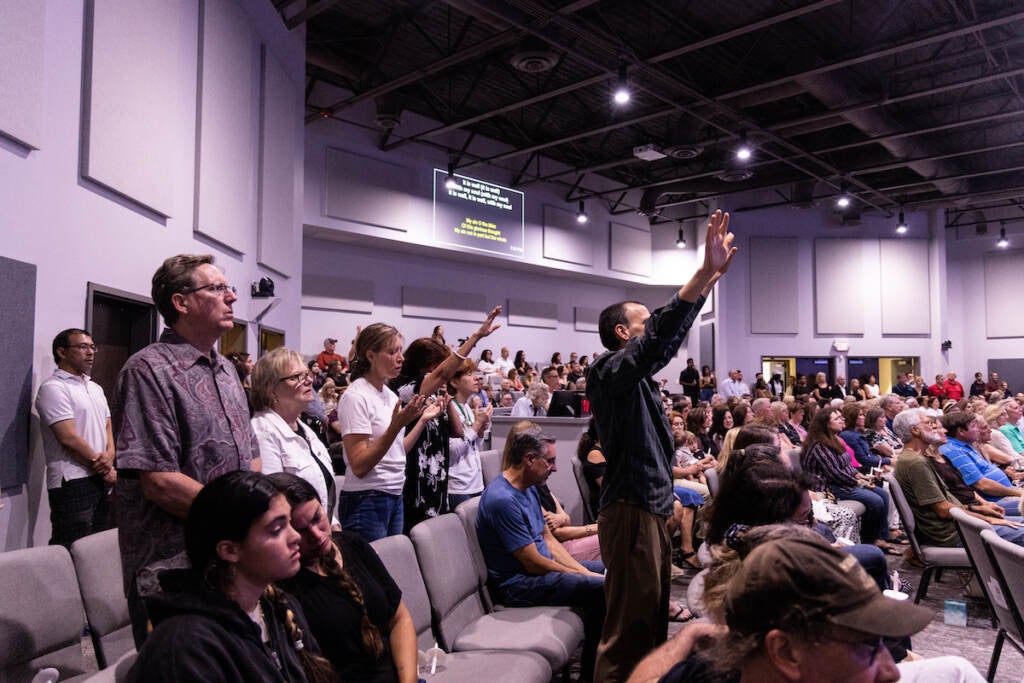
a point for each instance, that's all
(371, 514)
(874, 525)
(1010, 534)
(457, 499)
(872, 559)
(572, 590)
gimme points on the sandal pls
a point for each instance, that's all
(899, 538)
(889, 549)
(680, 614)
(689, 561)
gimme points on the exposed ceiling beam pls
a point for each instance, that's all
(309, 12)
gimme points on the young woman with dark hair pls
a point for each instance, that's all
(353, 606)
(223, 620)
(826, 458)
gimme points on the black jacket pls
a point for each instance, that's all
(201, 635)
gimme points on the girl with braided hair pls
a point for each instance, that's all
(354, 608)
(222, 619)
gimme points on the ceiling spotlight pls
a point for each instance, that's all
(902, 227)
(581, 215)
(681, 240)
(743, 150)
(450, 182)
(1003, 243)
(621, 95)
(843, 198)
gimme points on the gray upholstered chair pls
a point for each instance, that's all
(490, 465)
(970, 528)
(494, 666)
(42, 614)
(463, 623)
(98, 566)
(711, 475)
(1007, 591)
(934, 557)
(116, 672)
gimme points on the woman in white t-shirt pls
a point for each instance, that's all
(372, 422)
(465, 475)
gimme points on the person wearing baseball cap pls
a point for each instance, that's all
(328, 355)
(799, 609)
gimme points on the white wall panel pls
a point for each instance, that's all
(630, 250)
(278, 229)
(1004, 281)
(228, 128)
(773, 285)
(131, 98)
(442, 305)
(523, 313)
(905, 307)
(21, 70)
(839, 298)
(376, 194)
(565, 238)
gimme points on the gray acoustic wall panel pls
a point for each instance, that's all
(585, 319)
(1004, 280)
(131, 96)
(565, 238)
(228, 129)
(838, 301)
(337, 294)
(630, 250)
(368, 196)
(774, 282)
(22, 23)
(906, 309)
(523, 313)
(442, 305)
(17, 330)
(278, 230)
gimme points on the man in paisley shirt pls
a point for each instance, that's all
(180, 419)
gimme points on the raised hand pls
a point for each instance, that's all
(718, 248)
(410, 412)
(487, 326)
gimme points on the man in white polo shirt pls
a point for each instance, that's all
(77, 439)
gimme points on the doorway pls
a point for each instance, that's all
(121, 323)
(235, 339)
(270, 339)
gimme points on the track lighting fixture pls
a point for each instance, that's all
(681, 240)
(901, 227)
(621, 95)
(581, 215)
(843, 198)
(743, 150)
(1003, 243)
(450, 182)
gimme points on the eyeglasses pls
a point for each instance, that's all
(83, 347)
(297, 378)
(876, 643)
(220, 288)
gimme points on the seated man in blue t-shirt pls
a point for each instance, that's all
(978, 473)
(526, 565)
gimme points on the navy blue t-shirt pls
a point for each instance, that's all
(508, 519)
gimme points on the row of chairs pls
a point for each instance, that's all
(47, 595)
(999, 566)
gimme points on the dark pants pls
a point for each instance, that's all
(78, 508)
(457, 499)
(635, 548)
(572, 590)
(874, 525)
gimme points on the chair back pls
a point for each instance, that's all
(42, 614)
(712, 477)
(490, 465)
(584, 487)
(449, 573)
(97, 562)
(905, 512)
(399, 558)
(1008, 560)
(970, 528)
(467, 515)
